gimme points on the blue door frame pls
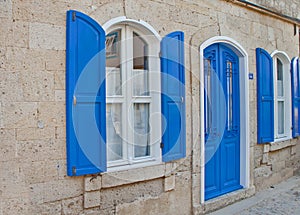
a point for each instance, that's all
(222, 121)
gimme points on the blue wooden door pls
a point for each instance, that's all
(222, 121)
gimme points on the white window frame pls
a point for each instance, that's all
(153, 40)
(286, 98)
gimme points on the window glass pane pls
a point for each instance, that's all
(113, 81)
(113, 69)
(114, 131)
(141, 130)
(280, 117)
(140, 66)
(279, 78)
(229, 94)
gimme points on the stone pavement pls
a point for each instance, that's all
(283, 198)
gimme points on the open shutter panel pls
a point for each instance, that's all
(173, 96)
(265, 97)
(295, 96)
(85, 95)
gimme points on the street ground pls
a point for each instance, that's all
(283, 198)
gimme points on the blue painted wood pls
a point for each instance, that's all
(295, 97)
(265, 97)
(173, 96)
(85, 81)
(222, 143)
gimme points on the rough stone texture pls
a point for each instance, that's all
(39, 39)
(289, 8)
(125, 194)
(33, 176)
(132, 175)
(279, 199)
(92, 183)
(169, 183)
(5, 8)
(92, 199)
(72, 206)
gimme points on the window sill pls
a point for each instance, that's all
(281, 143)
(116, 176)
(281, 139)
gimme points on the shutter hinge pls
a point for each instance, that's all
(74, 100)
(73, 16)
(161, 145)
(74, 170)
(159, 54)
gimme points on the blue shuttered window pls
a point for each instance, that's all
(295, 70)
(265, 97)
(85, 95)
(173, 96)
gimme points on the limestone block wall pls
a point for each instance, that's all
(32, 108)
(286, 7)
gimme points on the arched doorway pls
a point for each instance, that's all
(224, 117)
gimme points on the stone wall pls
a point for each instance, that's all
(285, 7)
(32, 108)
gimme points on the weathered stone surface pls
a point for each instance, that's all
(129, 193)
(43, 11)
(5, 8)
(15, 206)
(7, 150)
(33, 160)
(92, 199)
(280, 145)
(60, 95)
(278, 166)
(52, 113)
(72, 206)
(55, 61)
(19, 114)
(56, 190)
(60, 132)
(54, 208)
(169, 183)
(37, 86)
(59, 80)
(20, 59)
(263, 171)
(7, 92)
(39, 171)
(26, 134)
(131, 176)
(92, 183)
(39, 150)
(38, 33)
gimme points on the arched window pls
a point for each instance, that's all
(282, 96)
(125, 102)
(132, 96)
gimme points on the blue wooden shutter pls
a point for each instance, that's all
(295, 96)
(265, 97)
(173, 96)
(85, 95)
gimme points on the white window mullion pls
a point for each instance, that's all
(124, 92)
(129, 88)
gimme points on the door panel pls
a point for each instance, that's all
(222, 142)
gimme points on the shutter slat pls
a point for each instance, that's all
(295, 97)
(85, 95)
(173, 96)
(265, 97)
